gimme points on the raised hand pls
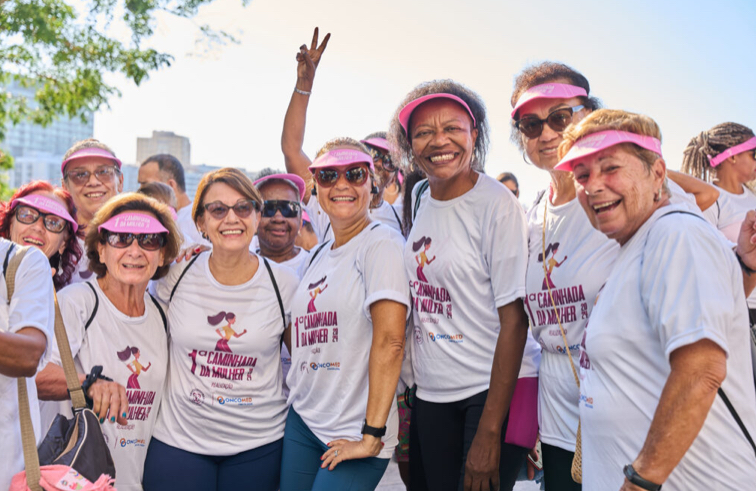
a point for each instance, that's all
(308, 60)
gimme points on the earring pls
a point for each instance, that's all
(525, 158)
(204, 235)
(314, 191)
(374, 189)
(658, 196)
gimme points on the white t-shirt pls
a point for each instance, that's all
(578, 259)
(31, 306)
(472, 262)
(188, 228)
(321, 224)
(133, 351)
(82, 272)
(224, 392)
(640, 318)
(332, 333)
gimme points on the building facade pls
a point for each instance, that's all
(165, 142)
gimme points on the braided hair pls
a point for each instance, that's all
(711, 143)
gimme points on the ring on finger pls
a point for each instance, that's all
(335, 453)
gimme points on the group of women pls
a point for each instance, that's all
(637, 307)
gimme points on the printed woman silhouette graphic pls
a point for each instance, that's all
(130, 356)
(551, 264)
(422, 258)
(226, 331)
(315, 290)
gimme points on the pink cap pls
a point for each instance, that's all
(293, 178)
(377, 142)
(90, 152)
(46, 205)
(406, 112)
(135, 223)
(749, 144)
(341, 157)
(548, 91)
(595, 142)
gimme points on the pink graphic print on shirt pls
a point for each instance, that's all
(140, 401)
(225, 332)
(316, 327)
(422, 257)
(315, 290)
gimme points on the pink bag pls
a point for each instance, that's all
(62, 478)
(522, 425)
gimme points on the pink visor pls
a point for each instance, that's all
(381, 143)
(743, 147)
(293, 178)
(305, 216)
(135, 223)
(46, 205)
(595, 142)
(406, 113)
(548, 91)
(341, 157)
(90, 152)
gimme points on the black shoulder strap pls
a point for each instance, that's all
(420, 190)
(375, 226)
(325, 234)
(737, 418)
(278, 293)
(719, 210)
(7, 257)
(317, 251)
(181, 276)
(396, 215)
(97, 305)
(160, 309)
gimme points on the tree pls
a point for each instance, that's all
(46, 45)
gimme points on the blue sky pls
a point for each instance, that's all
(689, 65)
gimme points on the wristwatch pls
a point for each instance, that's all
(372, 430)
(636, 479)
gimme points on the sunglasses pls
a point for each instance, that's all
(103, 174)
(288, 209)
(384, 157)
(28, 215)
(558, 120)
(328, 177)
(242, 209)
(148, 242)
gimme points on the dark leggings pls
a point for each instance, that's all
(441, 435)
(557, 469)
(168, 467)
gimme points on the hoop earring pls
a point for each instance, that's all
(373, 189)
(314, 191)
(204, 235)
(526, 159)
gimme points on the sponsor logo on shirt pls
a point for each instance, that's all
(137, 442)
(233, 400)
(303, 367)
(452, 338)
(316, 327)
(332, 365)
(197, 397)
(573, 348)
(587, 401)
(315, 350)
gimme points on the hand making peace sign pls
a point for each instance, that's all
(308, 60)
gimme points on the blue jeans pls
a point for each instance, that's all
(300, 467)
(168, 467)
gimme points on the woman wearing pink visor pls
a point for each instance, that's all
(42, 215)
(347, 336)
(464, 260)
(117, 331)
(655, 406)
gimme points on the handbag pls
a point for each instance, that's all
(74, 454)
(522, 424)
(577, 460)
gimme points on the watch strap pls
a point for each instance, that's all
(372, 430)
(636, 479)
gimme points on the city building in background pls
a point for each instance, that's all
(165, 142)
(38, 151)
(192, 176)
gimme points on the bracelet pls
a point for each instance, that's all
(743, 265)
(94, 375)
(302, 92)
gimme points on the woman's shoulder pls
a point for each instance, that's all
(674, 224)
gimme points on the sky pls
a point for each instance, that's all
(687, 64)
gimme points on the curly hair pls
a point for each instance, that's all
(376, 134)
(543, 73)
(711, 143)
(64, 264)
(401, 143)
(132, 202)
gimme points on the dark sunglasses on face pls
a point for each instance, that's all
(558, 120)
(242, 209)
(28, 215)
(328, 177)
(288, 209)
(384, 157)
(81, 177)
(148, 242)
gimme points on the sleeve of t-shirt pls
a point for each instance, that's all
(32, 303)
(383, 271)
(687, 283)
(76, 307)
(505, 246)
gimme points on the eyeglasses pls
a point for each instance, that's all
(148, 242)
(288, 209)
(81, 177)
(558, 120)
(242, 209)
(384, 157)
(330, 176)
(28, 215)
